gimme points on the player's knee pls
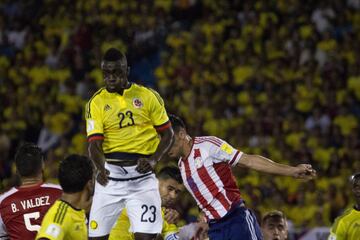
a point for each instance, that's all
(144, 236)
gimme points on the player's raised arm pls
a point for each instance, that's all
(263, 164)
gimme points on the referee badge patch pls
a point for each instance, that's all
(137, 103)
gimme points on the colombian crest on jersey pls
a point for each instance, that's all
(137, 103)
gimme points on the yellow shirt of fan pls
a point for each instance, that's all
(127, 123)
(121, 229)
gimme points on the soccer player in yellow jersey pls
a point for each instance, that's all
(124, 121)
(347, 226)
(66, 218)
(170, 185)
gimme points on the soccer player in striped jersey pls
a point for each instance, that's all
(205, 165)
(22, 208)
(347, 226)
(66, 219)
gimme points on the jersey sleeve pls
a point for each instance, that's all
(3, 232)
(224, 152)
(51, 230)
(94, 121)
(338, 231)
(158, 115)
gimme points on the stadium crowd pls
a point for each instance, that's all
(276, 78)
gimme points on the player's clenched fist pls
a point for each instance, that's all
(304, 171)
(171, 215)
(102, 177)
(145, 165)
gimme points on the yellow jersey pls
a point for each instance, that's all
(346, 226)
(121, 229)
(62, 221)
(127, 123)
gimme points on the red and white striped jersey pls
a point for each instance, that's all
(22, 209)
(207, 175)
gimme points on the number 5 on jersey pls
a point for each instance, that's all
(27, 221)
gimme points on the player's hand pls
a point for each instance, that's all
(145, 165)
(304, 171)
(102, 177)
(202, 231)
(171, 215)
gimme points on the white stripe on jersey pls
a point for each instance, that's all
(185, 182)
(204, 191)
(8, 193)
(51, 185)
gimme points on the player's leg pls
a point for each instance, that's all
(144, 236)
(244, 221)
(144, 208)
(105, 209)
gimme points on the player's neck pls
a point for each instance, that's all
(31, 181)
(73, 199)
(188, 143)
(121, 89)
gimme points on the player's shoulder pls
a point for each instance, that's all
(208, 141)
(148, 91)
(58, 213)
(343, 218)
(98, 95)
(51, 186)
(8, 195)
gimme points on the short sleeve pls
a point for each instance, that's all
(94, 121)
(51, 231)
(158, 115)
(221, 151)
(338, 231)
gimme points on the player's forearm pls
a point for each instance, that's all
(97, 155)
(262, 164)
(167, 139)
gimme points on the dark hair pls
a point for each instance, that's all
(112, 54)
(75, 171)
(275, 214)
(28, 160)
(170, 172)
(176, 122)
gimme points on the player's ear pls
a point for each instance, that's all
(182, 133)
